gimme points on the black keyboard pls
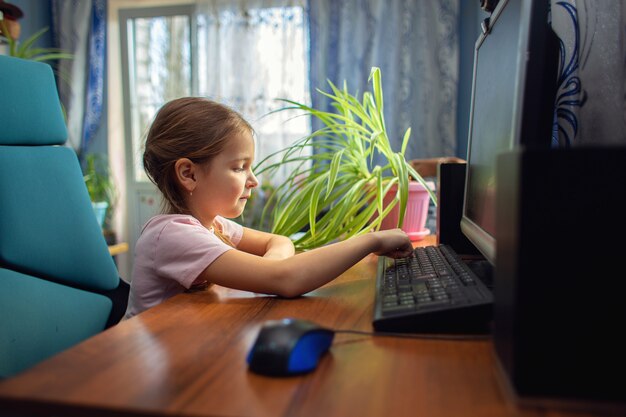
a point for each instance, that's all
(431, 291)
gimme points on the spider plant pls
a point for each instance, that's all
(334, 192)
(100, 185)
(27, 49)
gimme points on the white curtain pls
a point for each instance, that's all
(252, 52)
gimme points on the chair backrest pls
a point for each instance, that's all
(56, 273)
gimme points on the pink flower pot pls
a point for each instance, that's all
(416, 211)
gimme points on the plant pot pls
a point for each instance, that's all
(416, 211)
(100, 210)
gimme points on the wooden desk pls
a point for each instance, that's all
(187, 357)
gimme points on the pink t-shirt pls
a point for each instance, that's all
(171, 252)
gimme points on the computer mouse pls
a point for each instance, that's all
(289, 347)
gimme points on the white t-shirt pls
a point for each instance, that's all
(171, 252)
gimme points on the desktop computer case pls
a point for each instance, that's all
(560, 281)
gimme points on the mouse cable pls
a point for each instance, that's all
(436, 336)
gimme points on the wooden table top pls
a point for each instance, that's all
(187, 357)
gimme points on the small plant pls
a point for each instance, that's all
(334, 193)
(27, 49)
(100, 185)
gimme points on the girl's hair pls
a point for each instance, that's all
(188, 127)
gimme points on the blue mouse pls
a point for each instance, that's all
(289, 347)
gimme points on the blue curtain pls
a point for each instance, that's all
(414, 43)
(95, 79)
(80, 28)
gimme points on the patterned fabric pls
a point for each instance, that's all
(80, 28)
(71, 20)
(415, 44)
(590, 104)
(250, 54)
(95, 81)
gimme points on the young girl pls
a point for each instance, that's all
(200, 154)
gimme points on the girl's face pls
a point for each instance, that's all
(224, 184)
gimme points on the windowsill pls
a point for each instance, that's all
(118, 248)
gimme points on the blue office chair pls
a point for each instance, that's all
(58, 283)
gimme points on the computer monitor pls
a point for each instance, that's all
(513, 95)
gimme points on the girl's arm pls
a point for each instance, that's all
(303, 272)
(264, 244)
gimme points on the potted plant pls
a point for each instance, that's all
(334, 192)
(28, 50)
(100, 187)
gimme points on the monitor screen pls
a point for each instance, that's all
(513, 92)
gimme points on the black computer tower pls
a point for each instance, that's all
(560, 280)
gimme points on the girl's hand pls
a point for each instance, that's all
(394, 243)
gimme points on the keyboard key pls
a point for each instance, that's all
(432, 280)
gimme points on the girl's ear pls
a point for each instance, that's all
(185, 173)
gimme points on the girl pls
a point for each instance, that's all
(200, 154)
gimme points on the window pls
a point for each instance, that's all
(158, 69)
(249, 57)
(245, 54)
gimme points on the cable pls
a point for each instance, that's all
(434, 336)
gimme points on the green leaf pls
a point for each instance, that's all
(334, 169)
(375, 77)
(315, 199)
(331, 187)
(405, 141)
